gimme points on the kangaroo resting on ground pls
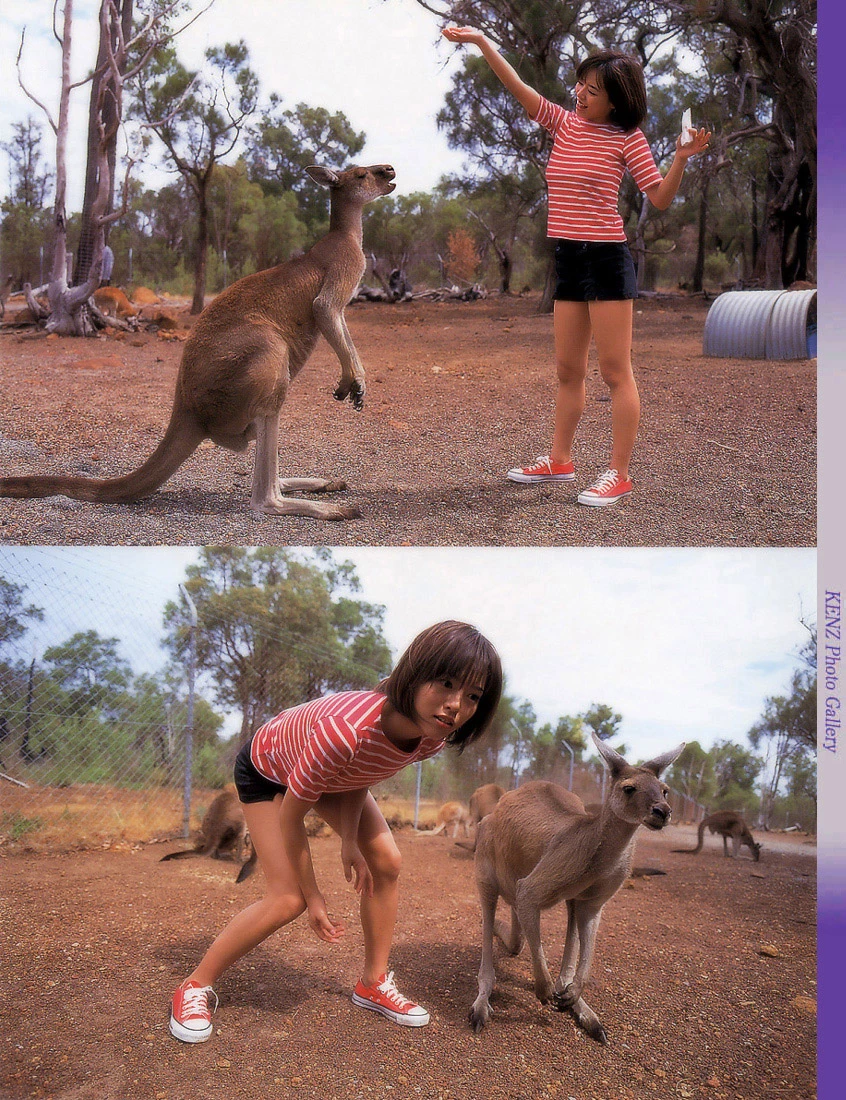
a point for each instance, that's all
(539, 847)
(242, 355)
(728, 824)
(224, 830)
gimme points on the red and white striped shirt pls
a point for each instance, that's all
(332, 744)
(584, 173)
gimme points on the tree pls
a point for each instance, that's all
(771, 93)
(69, 312)
(15, 615)
(787, 728)
(199, 117)
(277, 628)
(90, 670)
(285, 142)
(25, 229)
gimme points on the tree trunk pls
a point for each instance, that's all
(698, 279)
(547, 301)
(87, 234)
(201, 261)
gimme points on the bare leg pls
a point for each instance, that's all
(572, 330)
(378, 911)
(282, 904)
(612, 328)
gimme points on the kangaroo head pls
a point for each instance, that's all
(756, 850)
(637, 794)
(358, 185)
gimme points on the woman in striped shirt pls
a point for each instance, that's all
(324, 755)
(592, 148)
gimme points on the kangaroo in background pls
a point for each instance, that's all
(453, 814)
(224, 830)
(482, 801)
(242, 355)
(539, 847)
(728, 824)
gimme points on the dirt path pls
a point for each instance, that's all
(692, 1006)
(457, 394)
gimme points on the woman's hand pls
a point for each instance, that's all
(321, 923)
(355, 867)
(698, 143)
(463, 36)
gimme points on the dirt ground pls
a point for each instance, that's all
(457, 394)
(704, 979)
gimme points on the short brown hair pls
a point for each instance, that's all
(455, 651)
(621, 77)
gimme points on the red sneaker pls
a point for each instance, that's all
(190, 1015)
(607, 489)
(384, 997)
(543, 469)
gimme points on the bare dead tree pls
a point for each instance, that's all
(68, 312)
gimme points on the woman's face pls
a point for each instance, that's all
(592, 102)
(442, 706)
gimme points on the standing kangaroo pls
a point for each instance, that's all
(728, 824)
(539, 847)
(242, 355)
(224, 830)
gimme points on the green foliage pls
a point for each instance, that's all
(285, 142)
(278, 628)
(16, 826)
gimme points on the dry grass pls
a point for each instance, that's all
(84, 816)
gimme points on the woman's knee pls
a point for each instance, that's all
(570, 372)
(384, 858)
(284, 907)
(616, 373)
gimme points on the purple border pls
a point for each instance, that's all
(831, 920)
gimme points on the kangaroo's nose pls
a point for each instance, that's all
(661, 811)
(387, 171)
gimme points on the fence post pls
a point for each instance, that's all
(572, 758)
(189, 723)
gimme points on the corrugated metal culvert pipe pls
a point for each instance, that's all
(762, 324)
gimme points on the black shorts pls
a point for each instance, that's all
(250, 783)
(594, 271)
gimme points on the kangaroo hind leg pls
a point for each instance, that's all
(266, 491)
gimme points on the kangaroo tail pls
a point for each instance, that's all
(247, 867)
(698, 848)
(180, 855)
(184, 434)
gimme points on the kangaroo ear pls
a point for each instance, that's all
(615, 762)
(664, 761)
(323, 175)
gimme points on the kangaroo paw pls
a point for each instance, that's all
(564, 999)
(357, 396)
(479, 1016)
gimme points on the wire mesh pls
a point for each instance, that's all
(92, 710)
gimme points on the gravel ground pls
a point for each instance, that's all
(458, 393)
(704, 978)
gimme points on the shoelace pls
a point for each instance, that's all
(543, 460)
(392, 993)
(195, 1002)
(609, 478)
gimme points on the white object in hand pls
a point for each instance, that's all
(686, 127)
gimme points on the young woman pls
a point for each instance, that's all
(324, 755)
(593, 145)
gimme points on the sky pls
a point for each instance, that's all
(685, 644)
(381, 62)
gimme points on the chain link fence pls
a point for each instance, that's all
(93, 713)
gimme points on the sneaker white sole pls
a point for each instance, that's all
(187, 1035)
(531, 479)
(397, 1017)
(600, 502)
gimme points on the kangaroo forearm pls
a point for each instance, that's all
(525, 95)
